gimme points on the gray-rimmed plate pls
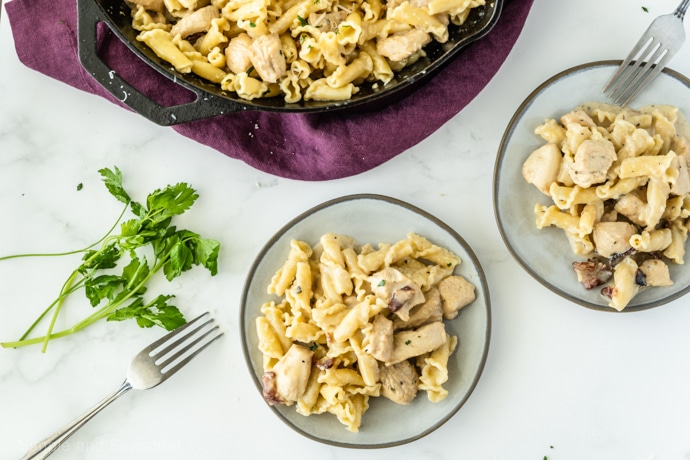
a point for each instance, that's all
(375, 219)
(545, 254)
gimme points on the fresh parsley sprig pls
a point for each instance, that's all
(119, 297)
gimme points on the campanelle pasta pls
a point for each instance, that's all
(618, 179)
(299, 49)
(354, 322)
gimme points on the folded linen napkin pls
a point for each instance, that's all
(311, 147)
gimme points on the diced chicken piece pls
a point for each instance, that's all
(287, 382)
(542, 166)
(380, 340)
(408, 344)
(399, 382)
(612, 238)
(398, 291)
(428, 312)
(327, 22)
(456, 293)
(267, 57)
(631, 206)
(151, 5)
(592, 162)
(656, 272)
(577, 117)
(198, 21)
(592, 273)
(238, 54)
(402, 45)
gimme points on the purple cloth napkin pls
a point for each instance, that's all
(298, 146)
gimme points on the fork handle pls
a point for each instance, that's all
(46, 447)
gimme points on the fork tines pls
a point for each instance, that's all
(638, 69)
(662, 39)
(176, 349)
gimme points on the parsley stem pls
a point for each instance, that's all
(48, 309)
(58, 306)
(110, 307)
(37, 340)
(77, 251)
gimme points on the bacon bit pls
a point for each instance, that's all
(592, 273)
(270, 392)
(608, 291)
(325, 363)
(400, 297)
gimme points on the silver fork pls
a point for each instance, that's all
(152, 366)
(658, 44)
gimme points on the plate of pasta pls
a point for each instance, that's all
(365, 322)
(593, 199)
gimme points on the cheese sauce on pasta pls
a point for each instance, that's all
(297, 49)
(618, 179)
(352, 322)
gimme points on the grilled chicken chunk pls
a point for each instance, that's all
(287, 382)
(428, 312)
(267, 57)
(656, 272)
(456, 292)
(402, 45)
(397, 290)
(399, 382)
(592, 162)
(238, 53)
(542, 166)
(408, 344)
(612, 237)
(380, 340)
(198, 21)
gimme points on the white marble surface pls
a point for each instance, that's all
(561, 381)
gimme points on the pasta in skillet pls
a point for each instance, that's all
(619, 183)
(355, 322)
(297, 49)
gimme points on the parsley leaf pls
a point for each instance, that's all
(102, 287)
(113, 182)
(155, 313)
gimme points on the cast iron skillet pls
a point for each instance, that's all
(212, 101)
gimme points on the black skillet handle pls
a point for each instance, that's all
(204, 106)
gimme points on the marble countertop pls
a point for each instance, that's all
(561, 381)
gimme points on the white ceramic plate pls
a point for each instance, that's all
(375, 219)
(546, 254)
